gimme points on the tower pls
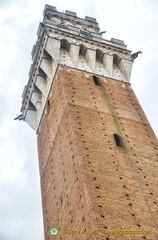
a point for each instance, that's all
(97, 152)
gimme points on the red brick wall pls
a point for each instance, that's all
(88, 181)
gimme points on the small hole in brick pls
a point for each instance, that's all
(99, 206)
(94, 178)
(82, 218)
(97, 187)
(144, 237)
(127, 195)
(147, 184)
(151, 193)
(92, 170)
(138, 225)
(130, 204)
(105, 227)
(121, 178)
(102, 216)
(107, 238)
(82, 135)
(89, 162)
(155, 202)
(133, 214)
(87, 155)
(98, 196)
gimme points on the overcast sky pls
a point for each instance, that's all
(135, 22)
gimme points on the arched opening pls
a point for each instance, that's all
(41, 73)
(118, 140)
(99, 55)
(65, 45)
(97, 81)
(47, 55)
(82, 50)
(116, 60)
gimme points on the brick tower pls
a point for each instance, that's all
(98, 154)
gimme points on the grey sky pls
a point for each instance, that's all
(133, 21)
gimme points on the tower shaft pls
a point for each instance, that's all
(97, 151)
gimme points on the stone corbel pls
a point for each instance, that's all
(108, 63)
(74, 53)
(90, 58)
(125, 67)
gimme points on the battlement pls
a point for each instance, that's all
(51, 12)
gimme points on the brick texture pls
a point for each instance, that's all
(87, 181)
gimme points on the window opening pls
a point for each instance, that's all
(48, 105)
(96, 81)
(118, 140)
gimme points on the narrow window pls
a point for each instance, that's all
(96, 81)
(48, 105)
(118, 140)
